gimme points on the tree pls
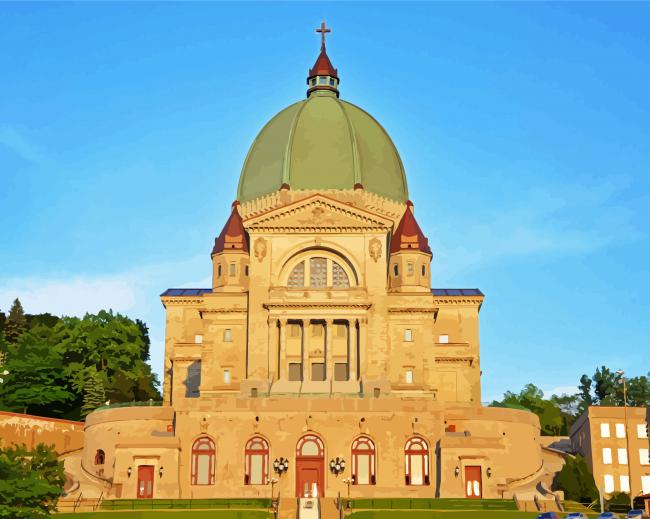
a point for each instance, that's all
(30, 482)
(16, 323)
(638, 391)
(584, 394)
(35, 382)
(94, 395)
(606, 387)
(576, 481)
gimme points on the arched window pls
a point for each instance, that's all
(363, 461)
(100, 457)
(319, 272)
(416, 454)
(256, 461)
(310, 445)
(203, 461)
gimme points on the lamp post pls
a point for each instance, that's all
(622, 380)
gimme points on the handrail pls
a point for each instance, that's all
(77, 501)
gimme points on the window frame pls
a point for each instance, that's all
(356, 453)
(607, 456)
(305, 260)
(410, 453)
(605, 427)
(249, 452)
(620, 430)
(196, 453)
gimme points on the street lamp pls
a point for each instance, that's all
(622, 380)
(273, 481)
(281, 465)
(337, 465)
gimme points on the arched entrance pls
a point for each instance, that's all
(310, 466)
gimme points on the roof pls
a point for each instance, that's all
(177, 292)
(408, 235)
(233, 235)
(456, 292)
(323, 66)
(323, 143)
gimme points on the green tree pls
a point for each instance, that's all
(16, 323)
(576, 480)
(35, 382)
(638, 391)
(94, 395)
(30, 482)
(584, 394)
(606, 387)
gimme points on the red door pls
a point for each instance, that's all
(473, 486)
(309, 477)
(145, 481)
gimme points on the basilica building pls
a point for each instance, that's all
(320, 361)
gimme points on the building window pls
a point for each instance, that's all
(294, 330)
(604, 430)
(341, 371)
(339, 276)
(395, 270)
(203, 460)
(607, 456)
(443, 339)
(219, 270)
(317, 330)
(622, 456)
(227, 335)
(232, 269)
(341, 330)
(620, 430)
(409, 268)
(100, 457)
(226, 376)
(246, 270)
(198, 339)
(625, 483)
(322, 80)
(332, 81)
(641, 430)
(424, 270)
(645, 484)
(256, 461)
(318, 371)
(313, 81)
(609, 483)
(416, 458)
(644, 456)
(318, 272)
(363, 461)
(408, 335)
(408, 376)
(295, 371)
(297, 276)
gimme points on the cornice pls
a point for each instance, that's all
(397, 310)
(181, 301)
(454, 300)
(272, 306)
(223, 310)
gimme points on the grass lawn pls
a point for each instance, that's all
(449, 514)
(155, 514)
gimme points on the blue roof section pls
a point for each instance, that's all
(456, 292)
(177, 292)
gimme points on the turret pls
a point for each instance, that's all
(410, 256)
(230, 257)
(323, 76)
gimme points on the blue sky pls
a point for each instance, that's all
(524, 129)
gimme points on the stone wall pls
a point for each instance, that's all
(28, 430)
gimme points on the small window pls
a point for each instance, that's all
(607, 456)
(313, 81)
(395, 270)
(620, 430)
(317, 330)
(341, 371)
(219, 270)
(408, 376)
(332, 82)
(604, 430)
(226, 376)
(424, 270)
(318, 371)
(100, 457)
(340, 330)
(625, 483)
(227, 335)
(232, 269)
(295, 371)
(246, 270)
(609, 483)
(322, 80)
(622, 456)
(408, 335)
(644, 456)
(443, 339)
(641, 430)
(294, 330)
(409, 269)
(198, 339)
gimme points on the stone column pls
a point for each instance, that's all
(352, 349)
(282, 368)
(329, 347)
(303, 350)
(363, 361)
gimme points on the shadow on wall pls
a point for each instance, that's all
(193, 380)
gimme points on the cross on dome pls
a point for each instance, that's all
(323, 30)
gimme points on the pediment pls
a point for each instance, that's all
(318, 213)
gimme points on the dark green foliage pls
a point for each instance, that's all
(94, 395)
(584, 394)
(30, 482)
(16, 323)
(45, 319)
(51, 364)
(638, 391)
(576, 481)
(618, 500)
(608, 390)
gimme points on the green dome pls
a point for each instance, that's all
(323, 143)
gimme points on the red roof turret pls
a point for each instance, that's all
(233, 236)
(408, 236)
(323, 66)
(323, 76)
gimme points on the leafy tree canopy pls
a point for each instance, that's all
(576, 481)
(16, 323)
(30, 482)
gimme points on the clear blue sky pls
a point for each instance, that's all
(524, 129)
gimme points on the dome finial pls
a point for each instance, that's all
(323, 76)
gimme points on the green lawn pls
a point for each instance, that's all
(155, 514)
(447, 514)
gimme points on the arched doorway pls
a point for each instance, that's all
(310, 466)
